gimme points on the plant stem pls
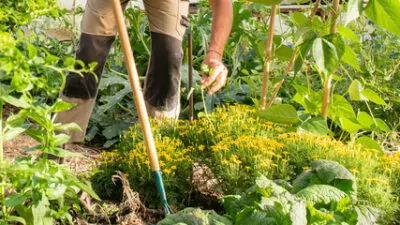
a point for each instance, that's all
(275, 93)
(205, 108)
(268, 57)
(314, 10)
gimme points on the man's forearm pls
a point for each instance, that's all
(222, 17)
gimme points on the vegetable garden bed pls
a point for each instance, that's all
(320, 148)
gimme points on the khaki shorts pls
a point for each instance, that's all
(165, 17)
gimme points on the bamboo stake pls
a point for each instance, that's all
(328, 82)
(292, 59)
(190, 52)
(267, 58)
(326, 96)
(334, 15)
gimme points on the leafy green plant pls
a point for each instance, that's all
(195, 216)
(311, 200)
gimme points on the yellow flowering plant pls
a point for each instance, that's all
(131, 158)
(238, 146)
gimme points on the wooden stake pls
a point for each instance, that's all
(267, 58)
(334, 15)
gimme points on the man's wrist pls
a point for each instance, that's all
(215, 54)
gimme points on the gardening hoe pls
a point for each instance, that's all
(140, 105)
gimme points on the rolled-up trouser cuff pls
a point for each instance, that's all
(79, 114)
(159, 114)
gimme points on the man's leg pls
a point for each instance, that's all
(168, 22)
(98, 30)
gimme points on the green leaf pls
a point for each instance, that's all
(283, 52)
(67, 126)
(61, 139)
(373, 97)
(366, 215)
(256, 217)
(59, 152)
(232, 204)
(60, 106)
(354, 10)
(330, 172)
(337, 40)
(36, 134)
(195, 216)
(339, 107)
(304, 45)
(385, 13)
(298, 18)
(16, 219)
(368, 143)
(355, 91)
(15, 120)
(298, 213)
(56, 191)
(325, 55)
(304, 180)
(87, 188)
(283, 113)
(365, 120)
(40, 212)
(18, 102)
(14, 200)
(317, 216)
(321, 193)
(110, 101)
(382, 125)
(13, 132)
(316, 125)
(350, 125)
(350, 58)
(32, 51)
(348, 33)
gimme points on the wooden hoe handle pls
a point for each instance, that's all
(135, 84)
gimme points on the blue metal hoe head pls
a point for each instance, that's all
(160, 187)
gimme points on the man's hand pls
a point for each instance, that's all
(217, 74)
(222, 17)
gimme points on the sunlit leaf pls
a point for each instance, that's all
(284, 113)
(373, 96)
(385, 13)
(354, 10)
(355, 90)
